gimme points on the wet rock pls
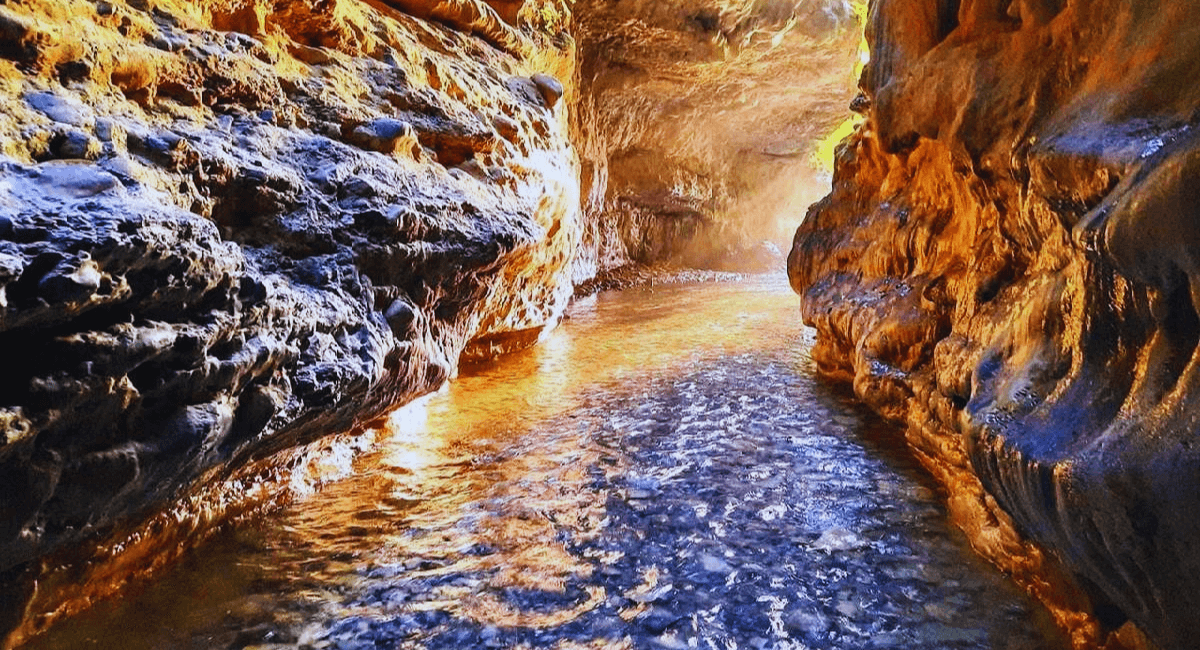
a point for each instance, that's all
(71, 285)
(69, 180)
(1038, 361)
(385, 135)
(838, 539)
(401, 318)
(657, 594)
(806, 621)
(508, 128)
(75, 144)
(714, 564)
(657, 620)
(670, 642)
(848, 608)
(58, 108)
(212, 263)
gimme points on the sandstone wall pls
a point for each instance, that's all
(230, 226)
(697, 122)
(1008, 265)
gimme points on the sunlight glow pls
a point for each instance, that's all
(823, 156)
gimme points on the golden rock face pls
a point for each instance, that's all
(698, 121)
(1001, 267)
(230, 227)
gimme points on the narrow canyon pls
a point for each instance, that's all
(246, 244)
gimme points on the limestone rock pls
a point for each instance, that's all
(1006, 265)
(228, 228)
(697, 122)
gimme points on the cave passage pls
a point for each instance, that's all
(665, 471)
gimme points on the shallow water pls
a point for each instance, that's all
(664, 471)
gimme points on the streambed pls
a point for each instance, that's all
(664, 471)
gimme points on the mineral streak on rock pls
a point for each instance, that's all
(1007, 264)
(697, 120)
(230, 226)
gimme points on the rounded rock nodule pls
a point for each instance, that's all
(551, 89)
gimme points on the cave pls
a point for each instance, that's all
(599, 323)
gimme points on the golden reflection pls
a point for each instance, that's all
(451, 498)
(488, 609)
(473, 506)
(534, 502)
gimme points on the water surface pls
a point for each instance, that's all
(665, 471)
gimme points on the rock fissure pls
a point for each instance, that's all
(231, 227)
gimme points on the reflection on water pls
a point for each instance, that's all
(663, 472)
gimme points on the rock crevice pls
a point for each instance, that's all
(696, 123)
(229, 228)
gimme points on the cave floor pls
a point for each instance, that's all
(664, 471)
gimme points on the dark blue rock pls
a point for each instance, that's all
(57, 108)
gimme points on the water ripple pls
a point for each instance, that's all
(665, 472)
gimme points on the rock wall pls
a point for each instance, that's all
(697, 123)
(228, 227)
(231, 227)
(1007, 264)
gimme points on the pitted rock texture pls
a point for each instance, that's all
(1007, 264)
(231, 226)
(697, 123)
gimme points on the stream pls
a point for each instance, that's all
(665, 471)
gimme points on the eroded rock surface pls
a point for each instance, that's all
(227, 227)
(697, 123)
(1007, 264)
